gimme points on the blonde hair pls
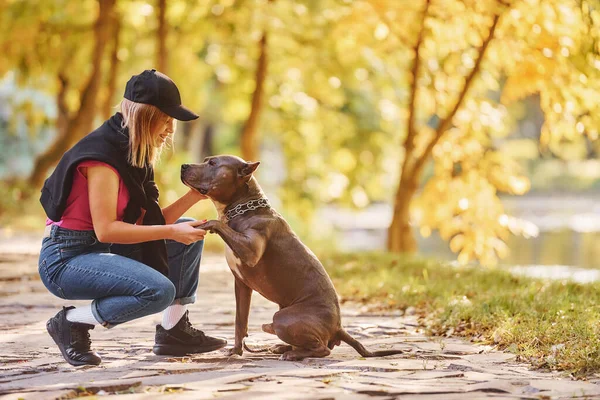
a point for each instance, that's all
(141, 119)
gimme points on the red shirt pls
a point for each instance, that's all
(77, 215)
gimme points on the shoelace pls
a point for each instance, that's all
(80, 339)
(190, 329)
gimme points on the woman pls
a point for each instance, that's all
(106, 238)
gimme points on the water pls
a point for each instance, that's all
(563, 247)
(569, 237)
(558, 272)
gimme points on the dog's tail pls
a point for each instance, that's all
(262, 349)
(345, 337)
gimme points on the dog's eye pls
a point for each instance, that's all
(211, 162)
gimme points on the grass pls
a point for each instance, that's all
(551, 324)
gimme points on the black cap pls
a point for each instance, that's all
(157, 89)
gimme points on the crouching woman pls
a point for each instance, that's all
(106, 238)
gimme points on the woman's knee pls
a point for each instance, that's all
(162, 295)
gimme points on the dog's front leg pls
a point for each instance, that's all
(243, 297)
(248, 245)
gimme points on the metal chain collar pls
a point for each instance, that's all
(245, 207)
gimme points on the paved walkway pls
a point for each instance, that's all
(432, 368)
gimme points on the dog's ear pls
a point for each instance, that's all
(248, 169)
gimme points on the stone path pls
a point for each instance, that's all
(432, 368)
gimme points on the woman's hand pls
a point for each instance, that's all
(186, 232)
(196, 195)
(211, 226)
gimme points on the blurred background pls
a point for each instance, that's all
(461, 129)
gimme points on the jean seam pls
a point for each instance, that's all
(96, 313)
(181, 272)
(78, 248)
(181, 275)
(187, 299)
(50, 280)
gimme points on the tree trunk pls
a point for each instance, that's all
(107, 108)
(161, 38)
(400, 235)
(185, 135)
(207, 147)
(250, 136)
(62, 117)
(81, 123)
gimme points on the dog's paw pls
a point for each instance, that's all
(210, 226)
(234, 351)
(291, 356)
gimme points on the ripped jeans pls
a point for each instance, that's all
(74, 265)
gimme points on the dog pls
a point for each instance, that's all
(266, 256)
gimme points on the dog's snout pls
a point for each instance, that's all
(185, 166)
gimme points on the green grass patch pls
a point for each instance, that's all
(551, 324)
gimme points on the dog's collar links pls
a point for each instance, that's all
(245, 207)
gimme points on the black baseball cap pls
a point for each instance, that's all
(155, 88)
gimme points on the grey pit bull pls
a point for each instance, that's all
(266, 256)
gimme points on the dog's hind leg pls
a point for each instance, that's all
(303, 330)
(280, 348)
(301, 354)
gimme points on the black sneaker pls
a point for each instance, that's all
(73, 339)
(184, 339)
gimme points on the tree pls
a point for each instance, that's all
(369, 100)
(74, 127)
(249, 139)
(113, 69)
(400, 236)
(458, 64)
(45, 35)
(161, 38)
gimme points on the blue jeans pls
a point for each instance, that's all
(74, 265)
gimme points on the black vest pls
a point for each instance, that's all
(110, 144)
